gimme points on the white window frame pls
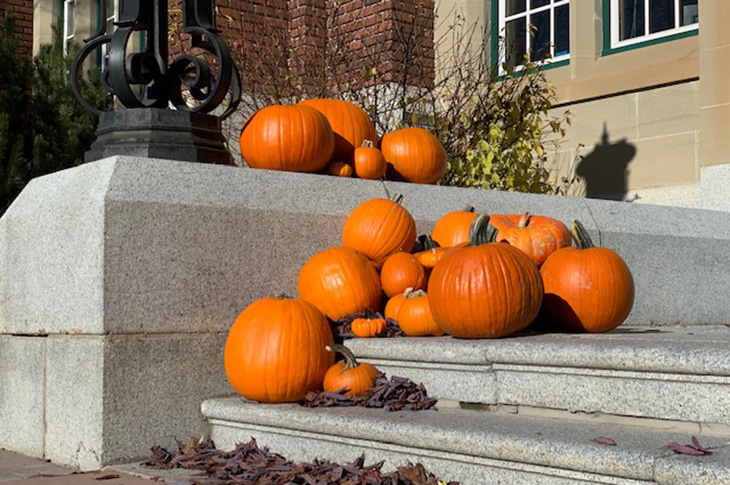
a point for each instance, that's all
(615, 26)
(111, 17)
(69, 24)
(504, 18)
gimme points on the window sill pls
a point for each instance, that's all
(607, 51)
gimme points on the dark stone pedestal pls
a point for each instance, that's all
(160, 133)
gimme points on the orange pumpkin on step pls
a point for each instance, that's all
(453, 228)
(415, 155)
(588, 288)
(369, 162)
(415, 317)
(368, 327)
(258, 357)
(393, 305)
(356, 377)
(431, 253)
(401, 271)
(537, 236)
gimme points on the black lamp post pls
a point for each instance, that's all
(169, 106)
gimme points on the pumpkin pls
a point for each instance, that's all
(339, 169)
(275, 351)
(349, 122)
(340, 282)
(431, 253)
(378, 228)
(536, 236)
(368, 327)
(485, 289)
(415, 317)
(294, 138)
(415, 155)
(588, 288)
(369, 162)
(357, 378)
(393, 305)
(453, 228)
(401, 271)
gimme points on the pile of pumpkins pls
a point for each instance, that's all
(474, 277)
(338, 137)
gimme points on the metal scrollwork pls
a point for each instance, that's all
(144, 79)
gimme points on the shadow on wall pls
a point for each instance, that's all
(605, 169)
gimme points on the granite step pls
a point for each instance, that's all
(679, 374)
(473, 447)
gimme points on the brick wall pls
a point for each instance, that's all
(24, 21)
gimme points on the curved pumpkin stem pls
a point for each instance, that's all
(367, 144)
(398, 198)
(524, 220)
(350, 360)
(414, 294)
(580, 235)
(427, 242)
(480, 232)
(468, 208)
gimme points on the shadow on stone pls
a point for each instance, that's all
(605, 169)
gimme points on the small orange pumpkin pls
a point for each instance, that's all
(356, 377)
(415, 155)
(340, 169)
(453, 228)
(587, 289)
(369, 162)
(378, 228)
(415, 317)
(350, 124)
(431, 253)
(368, 327)
(401, 271)
(275, 351)
(486, 289)
(537, 236)
(294, 138)
(340, 282)
(393, 305)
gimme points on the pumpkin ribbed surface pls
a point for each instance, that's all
(536, 236)
(276, 350)
(401, 271)
(357, 380)
(415, 155)
(415, 317)
(589, 290)
(393, 305)
(485, 291)
(293, 138)
(378, 228)
(369, 163)
(340, 282)
(453, 228)
(350, 124)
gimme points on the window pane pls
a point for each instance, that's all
(516, 41)
(540, 33)
(562, 30)
(688, 13)
(516, 6)
(538, 3)
(661, 15)
(631, 19)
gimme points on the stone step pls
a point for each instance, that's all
(668, 373)
(470, 446)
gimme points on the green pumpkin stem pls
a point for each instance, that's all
(580, 235)
(468, 208)
(398, 198)
(350, 360)
(481, 231)
(427, 242)
(367, 144)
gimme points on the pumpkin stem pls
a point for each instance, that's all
(414, 294)
(407, 292)
(427, 242)
(350, 360)
(468, 208)
(524, 220)
(479, 232)
(398, 198)
(367, 144)
(580, 235)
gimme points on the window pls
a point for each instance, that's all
(538, 28)
(69, 23)
(111, 17)
(637, 21)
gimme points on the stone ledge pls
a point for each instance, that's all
(462, 445)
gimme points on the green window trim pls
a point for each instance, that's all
(608, 50)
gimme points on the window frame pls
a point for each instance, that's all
(612, 44)
(499, 12)
(68, 33)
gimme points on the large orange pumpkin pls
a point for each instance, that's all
(453, 228)
(276, 350)
(340, 282)
(536, 236)
(369, 162)
(401, 271)
(587, 289)
(349, 122)
(486, 289)
(415, 155)
(378, 228)
(294, 138)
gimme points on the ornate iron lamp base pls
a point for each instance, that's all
(160, 133)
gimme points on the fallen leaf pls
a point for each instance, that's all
(110, 476)
(604, 441)
(686, 449)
